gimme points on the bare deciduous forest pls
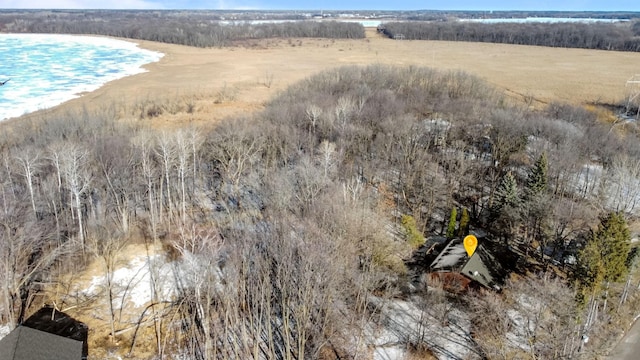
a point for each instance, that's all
(600, 36)
(302, 231)
(192, 28)
(213, 28)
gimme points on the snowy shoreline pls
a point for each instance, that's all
(46, 70)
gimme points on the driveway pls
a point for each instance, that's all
(629, 347)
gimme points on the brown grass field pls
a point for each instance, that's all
(238, 80)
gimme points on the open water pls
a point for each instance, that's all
(46, 70)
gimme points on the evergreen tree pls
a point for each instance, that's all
(536, 208)
(605, 255)
(591, 268)
(614, 240)
(537, 180)
(505, 214)
(464, 223)
(451, 229)
(507, 193)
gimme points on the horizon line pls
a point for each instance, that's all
(318, 9)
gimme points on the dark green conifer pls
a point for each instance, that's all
(537, 180)
(507, 193)
(604, 257)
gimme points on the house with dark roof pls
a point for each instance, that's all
(46, 335)
(25, 343)
(488, 266)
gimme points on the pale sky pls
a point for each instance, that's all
(558, 5)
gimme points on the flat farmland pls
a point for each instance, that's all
(240, 79)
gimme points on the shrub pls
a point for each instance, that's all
(412, 234)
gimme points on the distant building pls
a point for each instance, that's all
(46, 335)
(488, 267)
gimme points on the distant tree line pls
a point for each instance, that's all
(445, 15)
(200, 29)
(515, 14)
(601, 36)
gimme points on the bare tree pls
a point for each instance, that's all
(535, 317)
(313, 114)
(199, 284)
(108, 249)
(116, 163)
(73, 162)
(621, 189)
(167, 153)
(327, 157)
(185, 148)
(144, 150)
(27, 253)
(29, 164)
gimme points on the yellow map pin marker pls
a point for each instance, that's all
(470, 244)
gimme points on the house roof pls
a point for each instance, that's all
(58, 323)
(47, 334)
(486, 266)
(451, 258)
(25, 343)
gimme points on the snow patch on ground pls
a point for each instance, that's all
(389, 352)
(517, 336)
(524, 325)
(4, 330)
(445, 330)
(136, 282)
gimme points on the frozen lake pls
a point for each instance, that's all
(47, 70)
